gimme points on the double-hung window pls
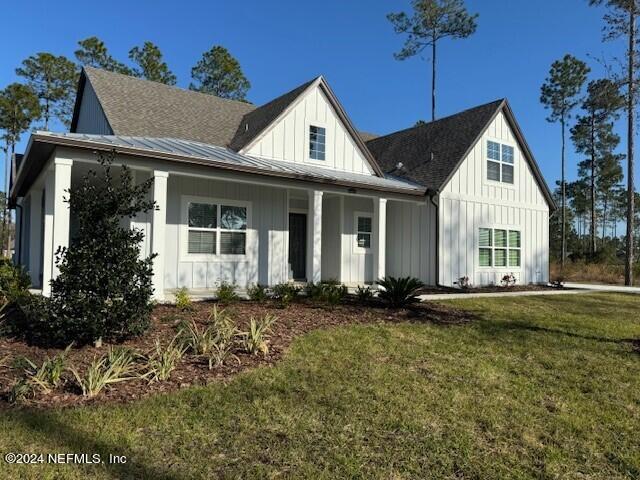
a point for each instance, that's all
(216, 229)
(364, 230)
(500, 160)
(499, 247)
(317, 139)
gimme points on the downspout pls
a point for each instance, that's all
(17, 259)
(433, 194)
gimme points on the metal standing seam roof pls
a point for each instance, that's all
(216, 154)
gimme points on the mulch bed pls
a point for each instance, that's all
(297, 319)
(488, 289)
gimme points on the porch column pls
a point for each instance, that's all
(314, 237)
(35, 237)
(379, 237)
(158, 228)
(56, 219)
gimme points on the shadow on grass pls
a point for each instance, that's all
(67, 439)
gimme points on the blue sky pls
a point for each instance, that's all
(283, 43)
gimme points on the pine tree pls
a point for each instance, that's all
(560, 93)
(219, 74)
(54, 80)
(93, 53)
(432, 21)
(150, 64)
(593, 136)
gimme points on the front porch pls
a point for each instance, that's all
(212, 227)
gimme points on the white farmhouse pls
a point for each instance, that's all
(291, 190)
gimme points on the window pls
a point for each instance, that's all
(214, 228)
(363, 231)
(499, 248)
(500, 160)
(317, 137)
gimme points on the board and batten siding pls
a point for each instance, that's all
(469, 202)
(411, 240)
(357, 267)
(265, 261)
(331, 232)
(288, 139)
(91, 117)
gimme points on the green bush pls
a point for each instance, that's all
(399, 292)
(14, 281)
(257, 292)
(286, 293)
(104, 288)
(183, 300)
(329, 291)
(364, 294)
(226, 293)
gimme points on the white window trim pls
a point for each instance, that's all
(354, 241)
(328, 161)
(183, 239)
(486, 159)
(493, 248)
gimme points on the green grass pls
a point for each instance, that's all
(537, 387)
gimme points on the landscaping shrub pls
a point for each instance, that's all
(48, 375)
(256, 339)
(364, 294)
(226, 293)
(257, 292)
(331, 292)
(198, 340)
(104, 288)
(104, 371)
(14, 282)
(399, 292)
(183, 300)
(286, 293)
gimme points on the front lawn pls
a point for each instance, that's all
(534, 387)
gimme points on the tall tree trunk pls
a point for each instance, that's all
(592, 244)
(433, 80)
(628, 270)
(46, 114)
(604, 218)
(563, 250)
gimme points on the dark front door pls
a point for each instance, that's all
(298, 245)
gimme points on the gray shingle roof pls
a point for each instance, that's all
(448, 139)
(257, 120)
(139, 107)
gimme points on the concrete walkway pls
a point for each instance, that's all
(570, 289)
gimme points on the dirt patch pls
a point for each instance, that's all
(295, 320)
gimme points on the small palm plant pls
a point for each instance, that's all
(399, 292)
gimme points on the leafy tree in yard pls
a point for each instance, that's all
(593, 136)
(93, 53)
(621, 22)
(54, 79)
(151, 66)
(219, 73)
(560, 94)
(432, 21)
(19, 107)
(104, 288)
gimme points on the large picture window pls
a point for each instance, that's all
(499, 248)
(216, 229)
(500, 159)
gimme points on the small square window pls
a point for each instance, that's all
(233, 218)
(493, 171)
(202, 215)
(485, 237)
(500, 238)
(507, 154)
(232, 243)
(507, 173)
(514, 258)
(514, 239)
(500, 257)
(364, 224)
(202, 242)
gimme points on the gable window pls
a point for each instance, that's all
(500, 160)
(364, 229)
(317, 138)
(216, 228)
(499, 248)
